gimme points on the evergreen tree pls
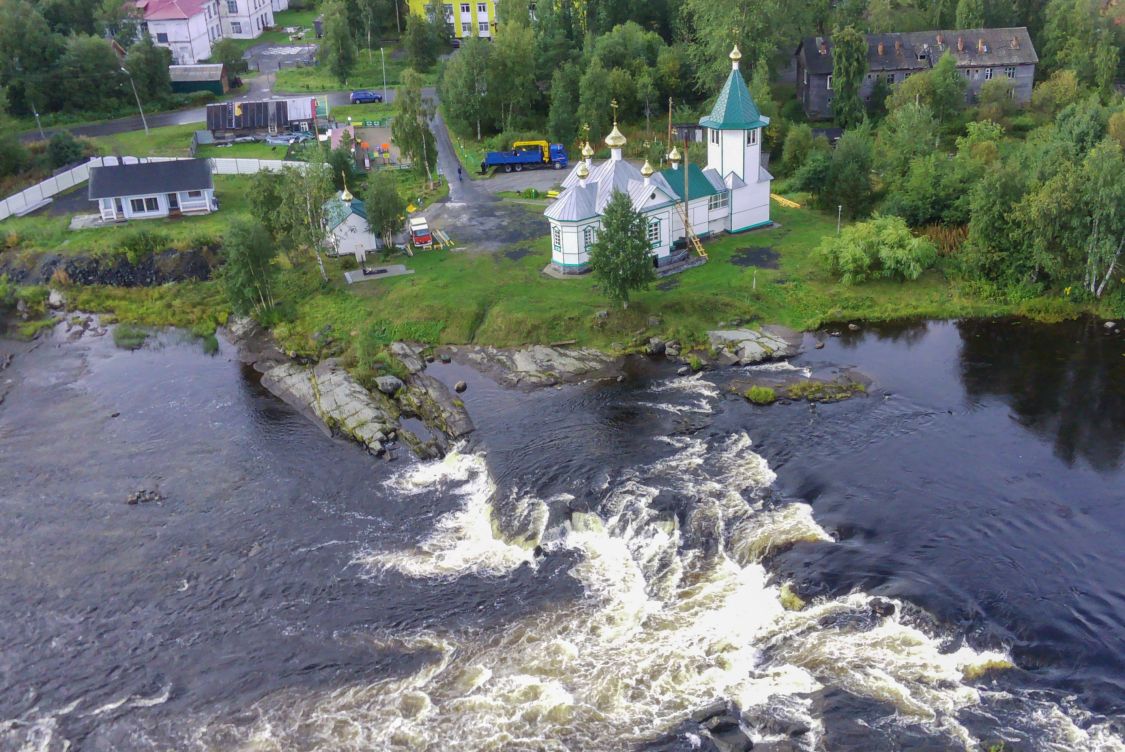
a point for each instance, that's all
(384, 206)
(440, 35)
(621, 257)
(417, 40)
(338, 46)
(90, 75)
(562, 120)
(63, 149)
(849, 65)
(970, 14)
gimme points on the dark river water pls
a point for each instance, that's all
(294, 593)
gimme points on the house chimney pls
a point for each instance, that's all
(981, 46)
(882, 49)
(960, 44)
(1015, 43)
(898, 46)
(940, 40)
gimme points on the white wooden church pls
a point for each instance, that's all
(730, 194)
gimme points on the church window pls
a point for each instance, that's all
(556, 239)
(752, 137)
(828, 82)
(587, 237)
(719, 201)
(654, 232)
(714, 136)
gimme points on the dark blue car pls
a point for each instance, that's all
(364, 96)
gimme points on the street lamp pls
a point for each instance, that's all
(138, 96)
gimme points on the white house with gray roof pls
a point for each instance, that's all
(150, 190)
(731, 193)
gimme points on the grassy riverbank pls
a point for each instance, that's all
(503, 299)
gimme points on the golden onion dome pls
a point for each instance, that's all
(346, 195)
(583, 171)
(647, 169)
(615, 139)
(674, 155)
(587, 150)
(735, 55)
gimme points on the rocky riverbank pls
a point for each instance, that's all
(115, 270)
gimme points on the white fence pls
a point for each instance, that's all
(39, 194)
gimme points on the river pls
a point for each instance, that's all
(597, 562)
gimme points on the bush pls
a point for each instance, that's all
(882, 247)
(200, 98)
(140, 244)
(63, 149)
(761, 395)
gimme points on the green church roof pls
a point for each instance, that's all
(698, 184)
(735, 108)
(336, 211)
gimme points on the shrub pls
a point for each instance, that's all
(200, 98)
(882, 247)
(142, 243)
(761, 395)
(63, 149)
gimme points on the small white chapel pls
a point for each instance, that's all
(730, 194)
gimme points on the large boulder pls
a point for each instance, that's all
(540, 365)
(388, 385)
(751, 346)
(409, 355)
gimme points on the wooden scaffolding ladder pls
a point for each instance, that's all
(689, 233)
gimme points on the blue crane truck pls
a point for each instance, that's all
(526, 155)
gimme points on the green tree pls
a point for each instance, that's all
(264, 197)
(338, 47)
(512, 81)
(411, 126)
(850, 176)
(881, 248)
(992, 251)
(384, 206)
(418, 41)
(464, 85)
(918, 89)
(994, 101)
(970, 14)
(798, 146)
(948, 87)
(341, 163)
(594, 100)
(90, 75)
(621, 257)
(63, 149)
(623, 89)
(299, 215)
(762, 93)
(562, 118)
(148, 65)
(1058, 91)
(14, 156)
(120, 21)
(248, 271)
(440, 26)
(1103, 186)
(907, 132)
(228, 52)
(1107, 56)
(849, 65)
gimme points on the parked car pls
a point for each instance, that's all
(365, 96)
(280, 139)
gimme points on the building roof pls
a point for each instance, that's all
(919, 50)
(170, 10)
(699, 184)
(336, 210)
(147, 178)
(735, 108)
(575, 204)
(202, 72)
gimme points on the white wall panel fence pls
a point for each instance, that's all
(33, 197)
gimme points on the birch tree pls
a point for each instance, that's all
(248, 272)
(1104, 181)
(300, 212)
(411, 127)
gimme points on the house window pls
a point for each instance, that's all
(719, 201)
(448, 10)
(137, 205)
(466, 27)
(890, 78)
(235, 27)
(482, 8)
(483, 27)
(987, 74)
(232, 6)
(195, 194)
(464, 7)
(151, 204)
(828, 82)
(587, 237)
(556, 239)
(162, 37)
(144, 205)
(1010, 72)
(654, 232)
(752, 137)
(714, 136)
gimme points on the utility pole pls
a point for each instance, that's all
(383, 60)
(138, 96)
(839, 214)
(42, 135)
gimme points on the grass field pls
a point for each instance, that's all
(168, 141)
(358, 112)
(52, 234)
(243, 151)
(368, 74)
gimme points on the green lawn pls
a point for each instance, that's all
(301, 18)
(169, 141)
(53, 234)
(361, 112)
(368, 74)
